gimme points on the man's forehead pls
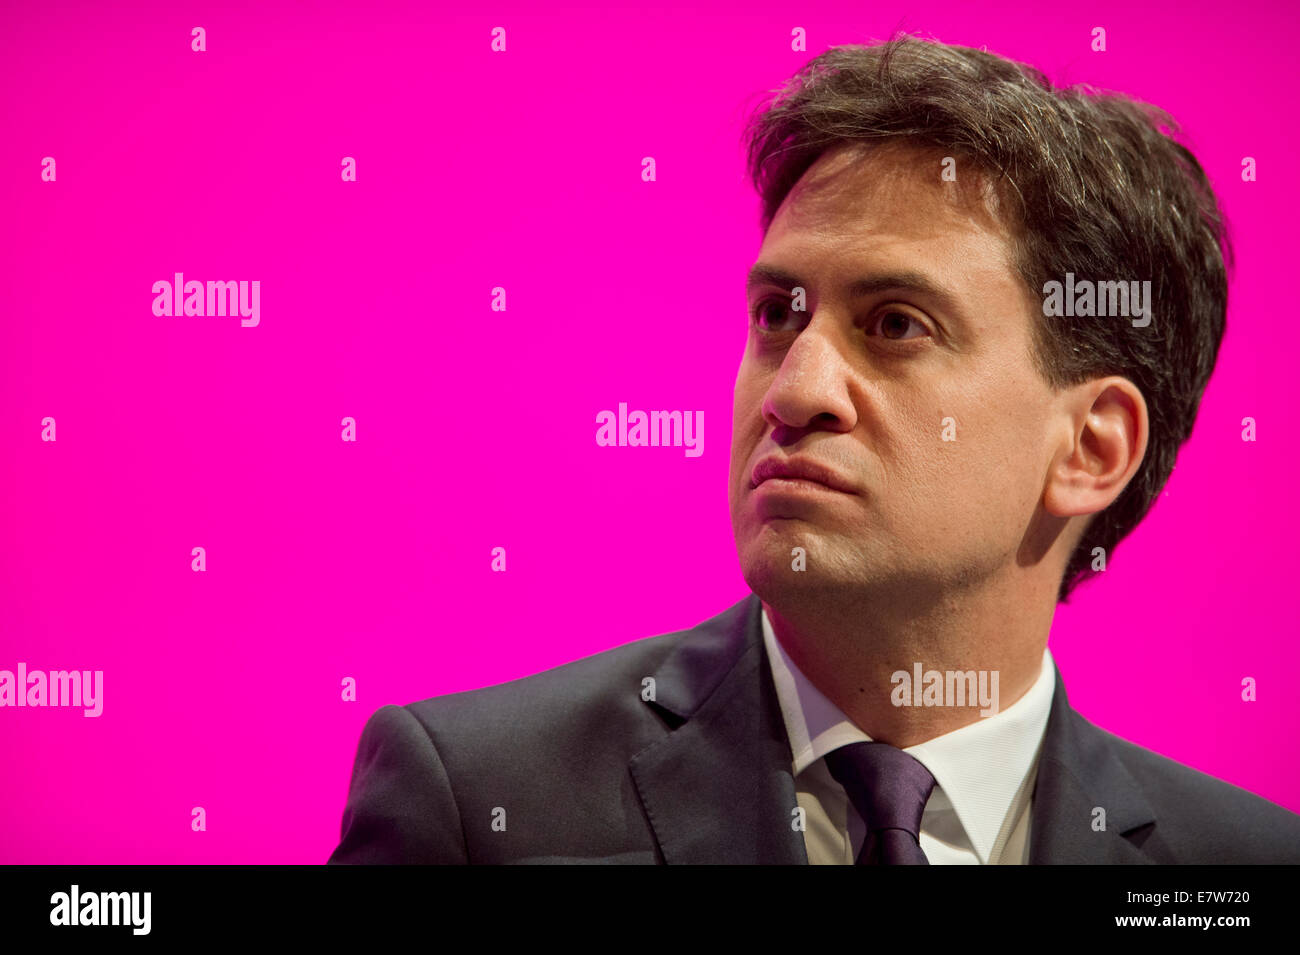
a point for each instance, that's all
(856, 186)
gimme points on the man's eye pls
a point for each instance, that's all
(894, 325)
(770, 315)
(774, 311)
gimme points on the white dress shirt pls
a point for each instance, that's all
(979, 810)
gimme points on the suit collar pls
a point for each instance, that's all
(718, 788)
(1079, 774)
(705, 657)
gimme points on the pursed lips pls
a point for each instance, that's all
(798, 469)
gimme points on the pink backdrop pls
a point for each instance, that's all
(476, 169)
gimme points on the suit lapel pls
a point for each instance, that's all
(1079, 773)
(718, 788)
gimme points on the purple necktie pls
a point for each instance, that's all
(889, 790)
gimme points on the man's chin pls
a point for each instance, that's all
(796, 547)
(789, 577)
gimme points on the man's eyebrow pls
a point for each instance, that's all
(903, 281)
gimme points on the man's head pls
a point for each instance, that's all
(921, 196)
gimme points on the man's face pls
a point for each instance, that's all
(934, 342)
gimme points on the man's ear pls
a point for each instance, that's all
(1103, 441)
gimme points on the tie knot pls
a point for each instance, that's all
(887, 787)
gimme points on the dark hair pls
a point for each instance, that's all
(1096, 186)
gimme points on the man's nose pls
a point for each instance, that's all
(811, 388)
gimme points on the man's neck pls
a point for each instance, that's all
(852, 649)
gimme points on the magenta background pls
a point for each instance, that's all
(476, 428)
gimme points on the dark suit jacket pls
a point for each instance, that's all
(585, 770)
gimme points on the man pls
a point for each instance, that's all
(929, 453)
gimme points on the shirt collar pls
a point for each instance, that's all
(979, 767)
